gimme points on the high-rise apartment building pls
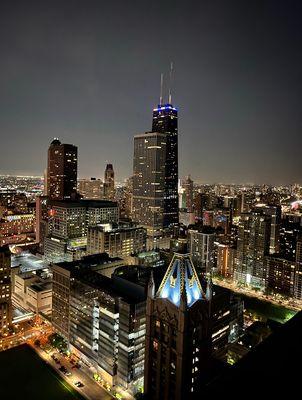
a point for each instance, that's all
(202, 248)
(254, 233)
(178, 333)
(62, 171)
(116, 241)
(5, 288)
(274, 212)
(91, 189)
(149, 182)
(165, 120)
(225, 259)
(281, 275)
(109, 189)
(298, 273)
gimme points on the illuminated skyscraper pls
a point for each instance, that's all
(178, 333)
(109, 191)
(165, 118)
(274, 212)
(254, 232)
(62, 171)
(149, 182)
(202, 248)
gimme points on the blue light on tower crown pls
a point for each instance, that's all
(181, 275)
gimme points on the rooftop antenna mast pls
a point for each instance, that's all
(161, 89)
(171, 72)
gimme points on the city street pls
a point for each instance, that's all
(277, 300)
(29, 332)
(26, 332)
(91, 389)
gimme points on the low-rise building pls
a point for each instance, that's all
(33, 292)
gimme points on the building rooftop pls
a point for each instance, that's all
(41, 286)
(86, 270)
(181, 277)
(28, 262)
(86, 203)
(87, 262)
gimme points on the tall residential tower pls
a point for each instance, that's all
(62, 171)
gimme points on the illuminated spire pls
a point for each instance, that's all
(181, 285)
(170, 83)
(161, 89)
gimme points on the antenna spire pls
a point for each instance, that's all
(161, 89)
(170, 84)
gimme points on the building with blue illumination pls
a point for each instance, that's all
(165, 120)
(181, 277)
(178, 333)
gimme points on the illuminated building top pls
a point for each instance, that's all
(165, 107)
(181, 277)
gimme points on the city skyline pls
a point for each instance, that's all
(236, 85)
(150, 198)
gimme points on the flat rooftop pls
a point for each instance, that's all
(28, 262)
(86, 203)
(41, 287)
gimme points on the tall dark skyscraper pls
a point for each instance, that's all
(62, 170)
(165, 121)
(5, 289)
(109, 191)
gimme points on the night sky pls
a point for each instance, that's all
(88, 72)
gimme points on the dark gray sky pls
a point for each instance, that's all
(88, 72)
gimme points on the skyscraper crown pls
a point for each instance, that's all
(181, 280)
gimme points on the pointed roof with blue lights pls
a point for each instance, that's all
(181, 278)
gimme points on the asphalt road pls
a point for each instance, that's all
(91, 389)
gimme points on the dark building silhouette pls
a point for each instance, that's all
(109, 191)
(178, 333)
(187, 184)
(62, 171)
(268, 371)
(165, 118)
(5, 288)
